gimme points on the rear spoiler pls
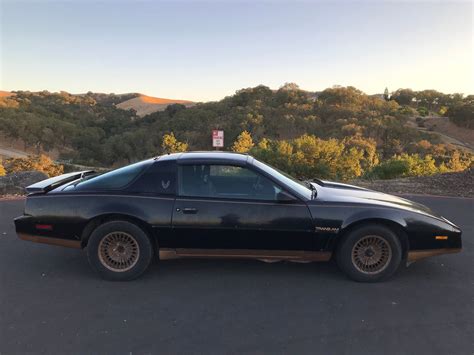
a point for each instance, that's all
(51, 183)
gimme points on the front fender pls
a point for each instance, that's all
(383, 214)
(333, 221)
(417, 231)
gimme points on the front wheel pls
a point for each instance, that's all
(369, 253)
(119, 251)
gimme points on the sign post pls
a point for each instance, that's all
(217, 139)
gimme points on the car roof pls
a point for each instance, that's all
(209, 156)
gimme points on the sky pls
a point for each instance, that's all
(204, 51)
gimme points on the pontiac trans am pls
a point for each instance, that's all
(226, 205)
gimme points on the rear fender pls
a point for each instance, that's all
(104, 218)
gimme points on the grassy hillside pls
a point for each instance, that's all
(144, 105)
(337, 133)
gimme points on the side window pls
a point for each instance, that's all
(226, 181)
(160, 178)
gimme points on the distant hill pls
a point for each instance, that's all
(5, 93)
(109, 99)
(142, 104)
(145, 105)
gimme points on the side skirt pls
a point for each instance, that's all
(76, 244)
(291, 255)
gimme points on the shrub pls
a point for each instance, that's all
(423, 111)
(171, 145)
(389, 169)
(404, 165)
(308, 156)
(243, 143)
(2, 169)
(37, 163)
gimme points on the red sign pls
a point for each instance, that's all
(217, 138)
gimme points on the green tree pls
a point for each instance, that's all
(429, 98)
(386, 95)
(243, 143)
(462, 114)
(404, 96)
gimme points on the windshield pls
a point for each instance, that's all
(288, 180)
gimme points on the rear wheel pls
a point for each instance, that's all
(119, 250)
(369, 253)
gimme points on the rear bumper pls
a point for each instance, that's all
(416, 255)
(27, 229)
(76, 244)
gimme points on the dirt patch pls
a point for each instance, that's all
(16, 148)
(449, 184)
(448, 131)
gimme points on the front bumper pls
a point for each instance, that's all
(416, 255)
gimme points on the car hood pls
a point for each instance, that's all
(337, 192)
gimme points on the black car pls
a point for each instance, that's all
(226, 205)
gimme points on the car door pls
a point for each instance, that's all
(234, 207)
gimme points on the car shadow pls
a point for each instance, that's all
(67, 264)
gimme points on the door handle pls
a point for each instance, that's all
(190, 210)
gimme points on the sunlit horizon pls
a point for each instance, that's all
(206, 51)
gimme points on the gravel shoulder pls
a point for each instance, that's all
(450, 184)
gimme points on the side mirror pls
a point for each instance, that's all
(284, 196)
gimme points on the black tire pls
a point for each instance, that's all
(119, 251)
(369, 253)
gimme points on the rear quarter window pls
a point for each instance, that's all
(160, 179)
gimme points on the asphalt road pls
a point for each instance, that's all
(51, 302)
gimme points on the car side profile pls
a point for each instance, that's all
(228, 205)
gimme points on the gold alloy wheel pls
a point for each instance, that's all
(371, 254)
(119, 251)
